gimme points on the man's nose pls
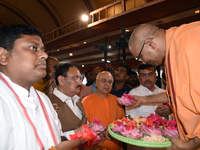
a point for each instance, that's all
(79, 82)
(43, 54)
(147, 76)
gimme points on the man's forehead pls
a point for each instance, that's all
(73, 70)
(121, 68)
(106, 76)
(147, 70)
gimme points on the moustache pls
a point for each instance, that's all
(78, 86)
(147, 81)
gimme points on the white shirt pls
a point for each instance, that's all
(93, 87)
(16, 132)
(147, 109)
(72, 105)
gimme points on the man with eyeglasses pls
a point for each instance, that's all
(104, 106)
(179, 48)
(71, 112)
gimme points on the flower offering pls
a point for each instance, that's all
(98, 127)
(89, 136)
(152, 129)
(126, 99)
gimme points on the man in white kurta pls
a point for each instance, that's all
(144, 110)
(27, 118)
(15, 130)
(147, 79)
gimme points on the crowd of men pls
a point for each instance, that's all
(42, 102)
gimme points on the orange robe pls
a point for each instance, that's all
(106, 110)
(183, 77)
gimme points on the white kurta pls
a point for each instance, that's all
(16, 132)
(147, 109)
(68, 100)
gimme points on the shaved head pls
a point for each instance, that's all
(140, 34)
(104, 73)
(147, 43)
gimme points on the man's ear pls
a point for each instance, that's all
(150, 42)
(127, 76)
(3, 56)
(61, 80)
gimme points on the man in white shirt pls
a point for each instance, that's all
(147, 79)
(71, 112)
(27, 118)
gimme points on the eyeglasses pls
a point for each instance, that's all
(138, 57)
(104, 81)
(76, 78)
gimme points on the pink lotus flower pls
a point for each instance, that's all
(148, 130)
(126, 100)
(98, 127)
(166, 106)
(170, 132)
(154, 119)
(171, 129)
(119, 128)
(96, 121)
(132, 134)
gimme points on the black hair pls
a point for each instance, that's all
(133, 73)
(145, 66)
(62, 70)
(87, 72)
(128, 69)
(163, 75)
(10, 33)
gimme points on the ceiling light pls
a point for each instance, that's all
(108, 61)
(127, 30)
(85, 17)
(58, 50)
(83, 66)
(197, 11)
(84, 42)
(70, 54)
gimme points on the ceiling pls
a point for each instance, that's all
(64, 31)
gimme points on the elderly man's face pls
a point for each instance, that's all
(151, 50)
(104, 83)
(72, 82)
(147, 78)
(27, 64)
